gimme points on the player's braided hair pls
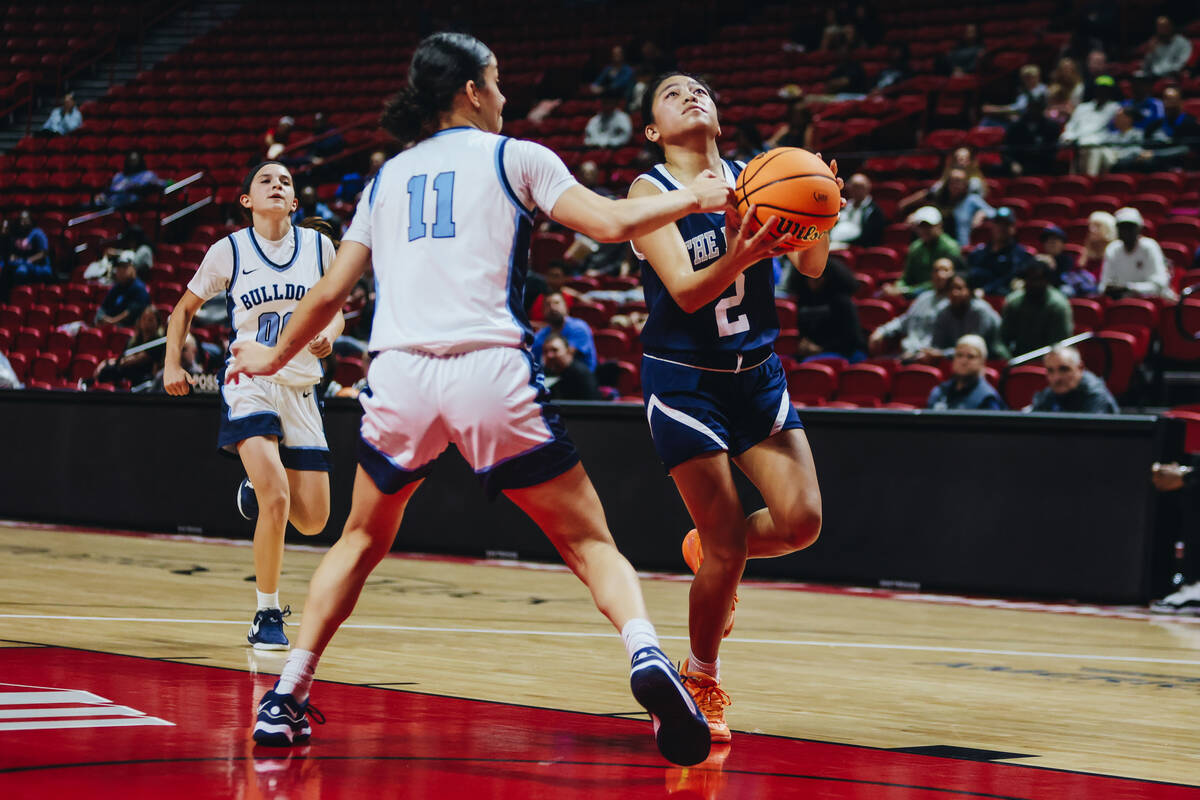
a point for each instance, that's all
(441, 66)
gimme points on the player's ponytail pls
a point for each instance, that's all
(441, 67)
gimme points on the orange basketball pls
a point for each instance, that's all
(794, 185)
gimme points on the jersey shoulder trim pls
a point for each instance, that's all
(503, 176)
(236, 261)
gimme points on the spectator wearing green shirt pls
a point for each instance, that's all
(1038, 314)
(931, 244)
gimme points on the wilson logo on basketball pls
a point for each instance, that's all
(820, 197)
(804, 233)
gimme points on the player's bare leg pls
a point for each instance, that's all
(260, 457)
(783, 471)
(309, 493)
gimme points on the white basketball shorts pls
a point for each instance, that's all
(259, 407)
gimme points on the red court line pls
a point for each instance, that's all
(422, 745)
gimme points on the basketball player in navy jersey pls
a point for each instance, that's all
(715, 391)
(274, 423)
(446, 224)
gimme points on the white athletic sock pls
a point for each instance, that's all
(710, 668)
(297, 675)
(267, 600)
(638, 633)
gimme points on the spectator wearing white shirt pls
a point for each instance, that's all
(63, 119)
(1133, 264)
(861, 222)
(1125, 141)
(1169, 52)
(1088, 125)
(611, 127)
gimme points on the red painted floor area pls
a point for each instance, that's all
(84, 724)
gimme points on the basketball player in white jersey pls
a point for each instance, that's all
(273, 422)
(446, 224)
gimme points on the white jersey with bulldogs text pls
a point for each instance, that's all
(264, 282)
(448, 223)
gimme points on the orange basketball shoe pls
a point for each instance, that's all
(711, 700)
(693, 555)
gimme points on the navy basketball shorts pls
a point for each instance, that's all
(490, 403)
(694, 410)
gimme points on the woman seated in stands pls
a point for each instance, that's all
(140, 366)
(28, 255)
(964, 158)
(131, 184)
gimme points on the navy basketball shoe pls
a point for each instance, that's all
(266, 632)
(282, 721)
(680, 729)
(247, 500)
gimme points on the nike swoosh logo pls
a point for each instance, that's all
(248, 271)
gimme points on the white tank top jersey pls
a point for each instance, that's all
(263, 282)
(448, 222)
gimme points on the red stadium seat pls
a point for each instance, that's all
(20, 364)
(811, 383)
(1076, 187)
(912, 384)
(1180, 229)
(875, 260)
(1131, 311)
(785, 310)
(611, 344)
(1022, 383)
(863, 381)
(11, 318)
(83, 367)
(1115, 184)
(1098, 202)
(117, 339)
(45, 367)
(872, 313)
(787, 342)
(1088, 314)
(1112, 354)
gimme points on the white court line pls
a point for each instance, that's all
(606, 635)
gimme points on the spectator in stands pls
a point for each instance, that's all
(350, 189)
(128, 297)
(1031, 88)
(862, 221)
(963, 58)
(1170, 140)
(914, 327)
(1094, 65)
(131, 184)
(29, 260)
(1058, 107)
(1102, 229)
(826, 317)
(1066, 76)
(616, 78)
(575, 331)
(961, 158)
(566, 376)
(931, 244)
(610, 127)
(190, 357)
(1069, 276)
(963, 314)
(1036, 315)
(138, 367)
(1143, 106)
(961, 207)
(797, 131)
(1088, 126)
(64, 119)
(747, 142)
(848, 80)
(1031, 143)
(1072, 388)
(993, 265)
(329, 143)
(133, 240)
(898, 68)
(1168, 52)
(1134, 265)
(968, 389)
(309, 205)
(1124, 142)
(278, 137)
(556, 280)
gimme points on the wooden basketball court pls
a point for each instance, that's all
(124, 672)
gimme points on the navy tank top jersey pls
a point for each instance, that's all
(742, 319)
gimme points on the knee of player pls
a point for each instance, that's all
(311, 524)
(802, 522)
(273, 500)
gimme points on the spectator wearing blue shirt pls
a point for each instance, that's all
(132, 183)
(127, 298)
(968, 389)
(310, 206)
(64, 119)
(965, 209)
(575, 331)
(616, 78)
(1143, 106)
(993, 266)
(29, 260)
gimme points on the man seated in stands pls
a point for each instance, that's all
(566, 376)
(1168, 51)
(914, 328)
(1036, 315)
(1069, 275)
(963, 314)
(931, 244)
(1134, 265)
(63, 119)
(124, 303)
(28, 255)
(968, 389)
(310, 206)
(610, 126)
(1072, 388)
(993, 265)
(575, 331)
(861, 222)
(1170, 140)
(131, 184)
(1088, 125)
(826, 317)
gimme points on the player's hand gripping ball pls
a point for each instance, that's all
(797, 187)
